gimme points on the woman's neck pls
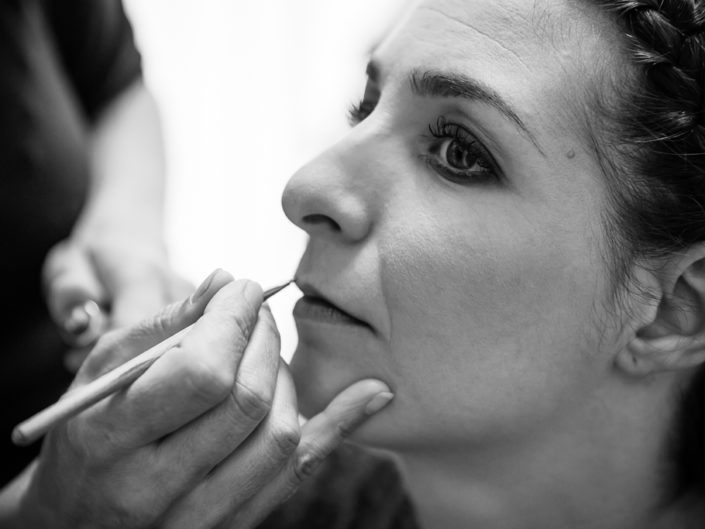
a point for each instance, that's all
(445, 495)
(598, 470)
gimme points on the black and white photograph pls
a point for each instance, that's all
(372, 264)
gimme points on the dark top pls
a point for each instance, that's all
(61, 63)
(354, 489)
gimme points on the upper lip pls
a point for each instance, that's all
(312, 291)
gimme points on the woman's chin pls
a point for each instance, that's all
(316, 383)
(319, 379)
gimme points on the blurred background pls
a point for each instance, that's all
(248, 92)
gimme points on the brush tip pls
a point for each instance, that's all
(270, 292)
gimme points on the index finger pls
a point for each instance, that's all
(118, 346)
(319, 437)
(187, 380)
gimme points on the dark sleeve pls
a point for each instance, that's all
(96, 45)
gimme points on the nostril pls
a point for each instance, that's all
(318, 219)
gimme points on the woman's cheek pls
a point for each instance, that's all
(484, 327)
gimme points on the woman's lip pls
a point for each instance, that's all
(316, 308)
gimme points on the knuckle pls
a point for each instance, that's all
(253, 404)
(230, 326)
(305, 466)
(162, 323)
(131, 507)
(93, 444)
(285, 438)
(207, 382)
(345, 429)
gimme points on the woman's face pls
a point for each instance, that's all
(456, 240)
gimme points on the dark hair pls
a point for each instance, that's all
(656, 167)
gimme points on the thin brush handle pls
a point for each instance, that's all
(82, 397)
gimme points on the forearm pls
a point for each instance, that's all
(10, 498)
(127, 168)
(116, 254)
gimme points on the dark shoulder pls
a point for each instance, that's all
(96, 46)
(354, 489)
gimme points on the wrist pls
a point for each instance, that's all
(18, 509)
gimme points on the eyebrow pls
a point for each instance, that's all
(432, 83)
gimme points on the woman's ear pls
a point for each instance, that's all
(673, 336)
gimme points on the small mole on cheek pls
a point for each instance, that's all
(570, 154)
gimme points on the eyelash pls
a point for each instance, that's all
(357, 112)
(442, 131)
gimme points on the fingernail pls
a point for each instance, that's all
(251, 292)
(78, 321)
(85, 323)
(378, 402)
(204, 286)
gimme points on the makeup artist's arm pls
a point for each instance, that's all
(207, 437)
(116, 253)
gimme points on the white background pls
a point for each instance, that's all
(248, 92)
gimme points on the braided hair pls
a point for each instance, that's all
(656, 136)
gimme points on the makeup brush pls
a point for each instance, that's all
(81, 398)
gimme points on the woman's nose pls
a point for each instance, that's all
(326, 200)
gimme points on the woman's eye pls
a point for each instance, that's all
(457, 156)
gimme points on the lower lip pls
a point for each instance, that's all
(316, 309)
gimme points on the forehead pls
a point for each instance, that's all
(544, 56)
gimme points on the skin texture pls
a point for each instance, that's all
(500, 278)
(207, 437)
(489, 306)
